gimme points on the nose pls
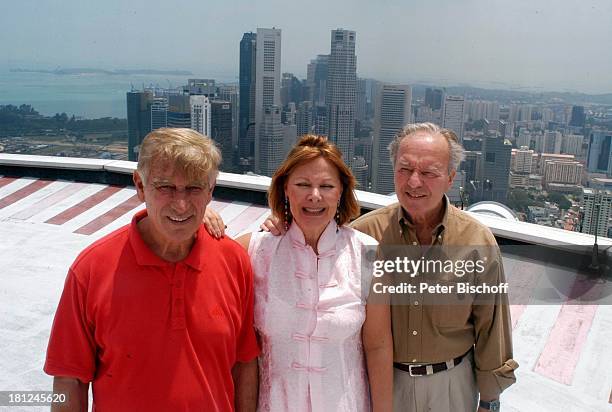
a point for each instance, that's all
(315, 194)
(180, 201)
(414, 180)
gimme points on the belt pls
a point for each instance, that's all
(429, 369)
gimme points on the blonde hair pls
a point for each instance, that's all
(183, 149)
(308, 148)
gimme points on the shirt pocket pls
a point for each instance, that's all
(450, 309)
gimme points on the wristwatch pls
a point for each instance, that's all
(492, 406)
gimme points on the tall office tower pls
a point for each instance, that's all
(552, 142)
(304, 118)
(360, 170)
(319, 120)
(179, 111)
(316, 78)
(360, 113)
(159, 112)
(572, 144)
(246, 118)
(204, 87)
(496, 169)
(600, 152)
(221, 130)
(523, 160)
(472, 168)
(200, 113)
(392, 113)
(267, 94)
(597, 207)
(452, 114)
(230, 94)
(433, 98)
(561, 171)
(271, 153)
(139, 120)
(341, 92)
(578, 117)
(547, 115)
(291, 90)
(288, 114)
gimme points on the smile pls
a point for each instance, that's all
(313, 210)
(178, 219)
(415, 196)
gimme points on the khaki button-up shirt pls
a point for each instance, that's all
(425, 333)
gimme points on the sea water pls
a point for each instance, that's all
(87, 96)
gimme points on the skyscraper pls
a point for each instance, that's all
(433, 98)
(139, 120)
(221, 130)
(200, 114)
(179, 111)
(159, 112)
(267, 95)
(341, 92)
(600, 152)
(597, 209)
(496, 168)
(452, 114)
(246, 118)
(270, 150)
(578, 117)
(316, 79)
(393, 111)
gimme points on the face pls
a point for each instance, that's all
(421, 174)
(175, 206)
(313, 190)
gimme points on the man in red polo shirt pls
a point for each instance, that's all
(158, 315)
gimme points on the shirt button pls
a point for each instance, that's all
(416, 303)
(414, 332)
(414, 360)
(414, 243)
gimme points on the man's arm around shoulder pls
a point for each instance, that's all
(76, 393)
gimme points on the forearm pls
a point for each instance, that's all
(76, 395)
(379, 362)
(245, 386)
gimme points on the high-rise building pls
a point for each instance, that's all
(200, 113)
(600, 152)
(246, 118)
(138, 119)
(221, 131)
(452, 114)
(267, 95)
(271, 153)
(578, 117)
(304, 118)
(597, 210)
(433, 98)
(179, 111)
(572, 144)
(496, 169)
(316, 79)
(229, 93)
(522, 160)
(557, 171)
(291, 89)
(552, 142)
(392, 114)
(205, 87)
(360, 113)
(159, 112)
(341, 92)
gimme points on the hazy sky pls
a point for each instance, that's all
(549, 44)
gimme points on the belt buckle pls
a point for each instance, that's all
(410, 370)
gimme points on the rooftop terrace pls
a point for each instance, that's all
(51, 208)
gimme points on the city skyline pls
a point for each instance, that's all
(537, 45)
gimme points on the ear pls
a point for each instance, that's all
(451, 177)
(139, 185)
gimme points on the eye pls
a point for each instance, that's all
(194, 190)
(328, 186)
(303, 184)
(430, 174)
(165, 189)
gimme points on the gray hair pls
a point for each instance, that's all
(455, 149)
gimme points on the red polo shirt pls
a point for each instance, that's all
(153, 335)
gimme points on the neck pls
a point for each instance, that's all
(312, 236)
(168, 251)
(429, 219)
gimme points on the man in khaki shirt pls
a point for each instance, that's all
(445, 355)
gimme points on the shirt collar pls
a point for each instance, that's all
(145, 256)
(404, 219)
(327, 241)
